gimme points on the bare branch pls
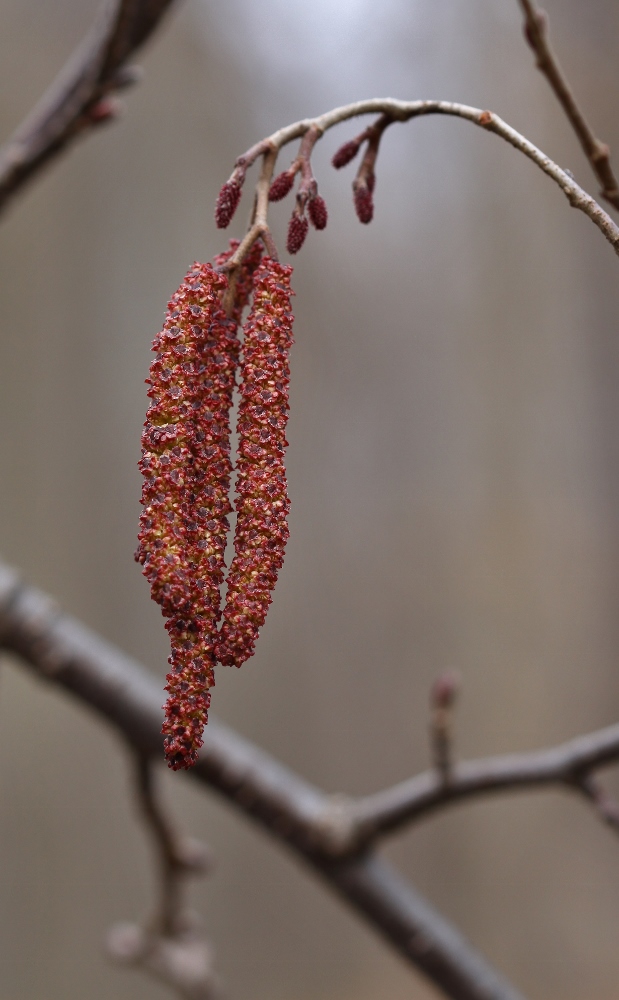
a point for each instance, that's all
(172, 945)
(315, 826)
(598, 153)
(178, 856)
(80, 98)
(402, 111)
(566, 765)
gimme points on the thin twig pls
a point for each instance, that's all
(565, 765)
(79, 99)
(259, 229)
(315, 826)
(178, 856)
(172, 945)
(597, 152)
(443, 695)
(402, 111)
(605, 805)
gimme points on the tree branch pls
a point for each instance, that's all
(598, 153)
(79, 98)
(402, 111)
(171, 946)
(316, 827)
(569, 765)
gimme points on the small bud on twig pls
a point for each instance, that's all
(282, 185)
(445, 690)
(347, 152)
(364, 203)
(317, 211)
(227, 203)
(297, 231)
(106, 110)
(443, 695)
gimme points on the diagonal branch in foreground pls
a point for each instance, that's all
(597, 152)
(79, 99)
(316, 828)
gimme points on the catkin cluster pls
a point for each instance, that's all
(186, 468)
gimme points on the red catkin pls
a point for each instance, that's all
(282, 185)
(345, 153)
(186, 468)
(261, 492)
(364, 203)
(317, 211)
(297, 231)
(227, 203)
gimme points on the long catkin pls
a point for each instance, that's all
(262, 502)
(186, 467)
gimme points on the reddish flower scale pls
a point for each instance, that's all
(262, 501)
(186, 468)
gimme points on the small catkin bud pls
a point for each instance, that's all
(317, 211)
(105, 110)
(345, 154)
(297, 231)
(281, 186)
(227, 203)
(364, 203)
(261, 492)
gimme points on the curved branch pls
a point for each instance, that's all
(120, 691)
(402, 111)
(567, 765)
(78, 99)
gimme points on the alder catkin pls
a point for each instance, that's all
(364, 203)
(261, 491)
(227, 203)
(297, 231)
(317, 211)
(185, 495)
(346, 153)
(281, 186)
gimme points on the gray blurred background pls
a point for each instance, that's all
(453, 470)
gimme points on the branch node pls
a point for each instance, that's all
(335, 833)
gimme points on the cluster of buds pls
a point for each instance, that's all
(186, 468)
(365, 180)
(307, 198)
(310, 206)
(262, 501)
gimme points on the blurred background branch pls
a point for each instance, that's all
(81, 98)
(171, 946)
(62, 651)
(597, 152)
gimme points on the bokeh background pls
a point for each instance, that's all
(453, 464)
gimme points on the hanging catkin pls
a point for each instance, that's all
(186, 468)
(261, 491)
